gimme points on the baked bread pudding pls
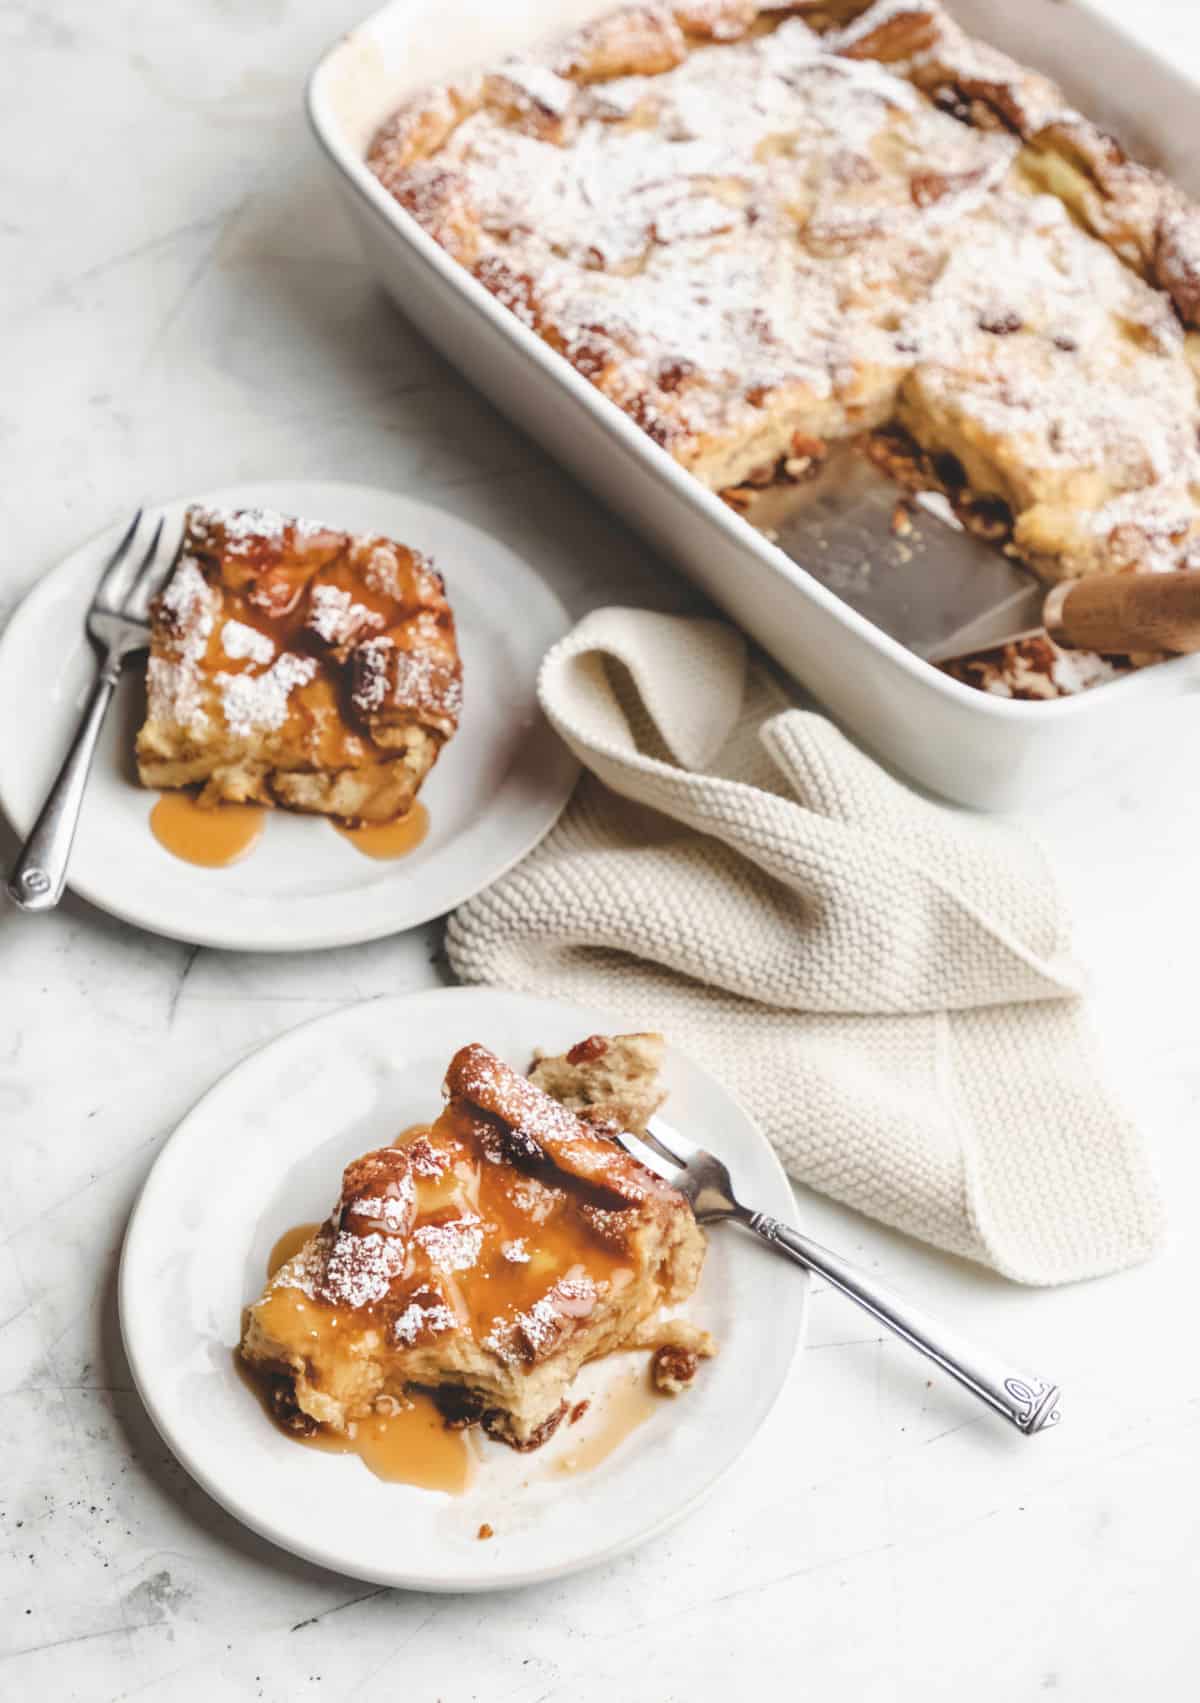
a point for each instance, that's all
(291, 664)
(760, 228)
(485, 1259)
(606, 1080)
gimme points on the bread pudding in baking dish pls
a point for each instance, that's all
(760, 228)
(484, 1259)
(292, 664)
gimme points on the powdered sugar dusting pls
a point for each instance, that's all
(537, 86)
(188, 608)
(343, 1270)
(186, 596)
(419, 681)
(421, 1319)
(425, 1158)
(453, 1246)
(335, 617)
(701, 238)
(778, 236)
(529, 1335)
(361, 1269)
(245, 532)
(246, 644)
(239, 530)
(526, 1337)
(480, 1077)
(1036, 339)
(259, 702)
(392, 1213)
(371, 680)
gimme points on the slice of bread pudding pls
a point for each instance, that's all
(485, 1258)
(296, 665)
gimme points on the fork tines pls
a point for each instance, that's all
(673, 1145)
(123, 591)
(666, 1168)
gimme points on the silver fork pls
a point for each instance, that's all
(118, 626)
(1029, 1403)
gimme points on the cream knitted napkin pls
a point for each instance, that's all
(885, 983)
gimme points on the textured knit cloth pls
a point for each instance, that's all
(885, 983)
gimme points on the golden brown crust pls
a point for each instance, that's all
(1117, 200)
(716, 20)
(1177, 256)
(542, 1126)
(631, 41)
(890, 33)
(378, 1195)
(1132, 208)
(979, 84)
(420, 127)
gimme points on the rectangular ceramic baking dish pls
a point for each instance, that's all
(984, 751)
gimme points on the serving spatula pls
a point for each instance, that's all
(909, 565)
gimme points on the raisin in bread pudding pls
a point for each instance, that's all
(295, 665)
(485, 1259)
(606, 1080)
(761, 227)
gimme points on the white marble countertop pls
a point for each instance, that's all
(184, 308)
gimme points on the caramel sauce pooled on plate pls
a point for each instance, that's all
(410, 1445)
(212, 837)
(410, 1134)
(388, 839)
(625, 1407)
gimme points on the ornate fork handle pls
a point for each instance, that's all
(40, 873)
(1029, 1403)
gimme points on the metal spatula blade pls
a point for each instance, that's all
(903, 561)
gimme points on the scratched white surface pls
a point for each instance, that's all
(182, 308)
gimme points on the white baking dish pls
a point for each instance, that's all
(980, 750)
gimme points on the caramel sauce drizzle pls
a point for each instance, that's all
(288, 1245)
(410, 1446)
(215, 836)
(271, 596)
(212, 838)
(626, 1406)
(388, 839)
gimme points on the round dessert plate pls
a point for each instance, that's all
(264, 1151)
(496, 789)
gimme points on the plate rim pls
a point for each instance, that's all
(563, 769)
(400, 1579)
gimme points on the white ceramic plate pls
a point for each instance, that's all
(497, 788)
(264, 1150)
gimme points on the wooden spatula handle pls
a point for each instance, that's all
(1126, 612)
